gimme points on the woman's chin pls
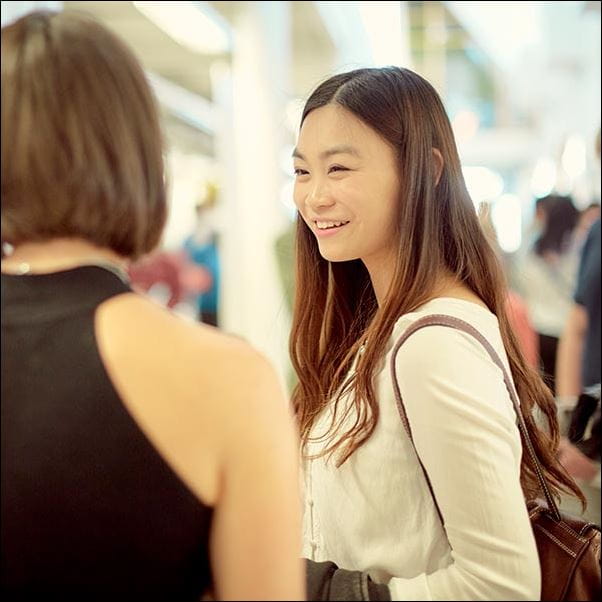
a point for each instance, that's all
(336, 256)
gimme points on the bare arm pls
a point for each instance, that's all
(215, 411)
(256, 537)
(570, 352)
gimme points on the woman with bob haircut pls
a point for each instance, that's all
(387, 234)
(143, 457)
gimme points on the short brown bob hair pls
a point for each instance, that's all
(81, 144)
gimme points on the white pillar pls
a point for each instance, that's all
(251, 132)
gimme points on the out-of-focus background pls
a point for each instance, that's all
(520, 81)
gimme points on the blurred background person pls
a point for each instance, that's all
(171, 279)
(578, 374)
(578, 377)
(546, 275)
(201, 249)
(587, 217)
(158, 275)
(134, 465)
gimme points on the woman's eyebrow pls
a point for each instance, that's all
(341, 149)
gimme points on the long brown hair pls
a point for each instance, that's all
(438, 231)
(81, 143)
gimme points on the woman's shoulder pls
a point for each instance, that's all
(475, 314)
(445, 346)
(195, 392)
(453, 362)
(132, 326)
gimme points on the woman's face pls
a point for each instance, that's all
(347, 187)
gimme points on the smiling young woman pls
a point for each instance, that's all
(387, 234)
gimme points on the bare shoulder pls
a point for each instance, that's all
(134, 327)
(193, 390)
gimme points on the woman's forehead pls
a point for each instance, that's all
(333, 128)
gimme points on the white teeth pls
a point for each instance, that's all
(326, 225)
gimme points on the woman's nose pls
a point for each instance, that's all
(320, 196)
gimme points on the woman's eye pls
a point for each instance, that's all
(300, 172)
(337, 168)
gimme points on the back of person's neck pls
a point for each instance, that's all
(58, 254)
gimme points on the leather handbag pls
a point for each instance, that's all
(568, 547)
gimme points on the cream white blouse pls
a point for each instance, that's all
(375, 513)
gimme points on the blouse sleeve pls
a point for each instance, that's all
(464, 430)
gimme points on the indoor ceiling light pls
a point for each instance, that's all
(189, 24)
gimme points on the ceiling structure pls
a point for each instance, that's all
(555, 38)
(162, 55)
(181, 68)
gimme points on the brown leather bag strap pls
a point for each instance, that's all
(458, 324)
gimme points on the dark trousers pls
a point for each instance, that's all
(208, 317)
(547, 355)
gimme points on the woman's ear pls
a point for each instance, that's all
(438, 162)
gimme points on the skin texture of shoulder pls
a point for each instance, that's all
(214, 409)
(175, 375)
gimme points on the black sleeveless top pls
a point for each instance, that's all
(90, 510)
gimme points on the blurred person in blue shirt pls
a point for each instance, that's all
(202, 249)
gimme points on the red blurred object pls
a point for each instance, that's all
(181, 277)
(523, 329)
